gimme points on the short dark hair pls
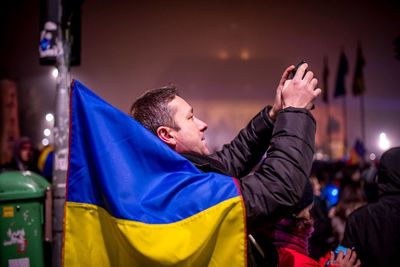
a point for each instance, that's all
(151, 109)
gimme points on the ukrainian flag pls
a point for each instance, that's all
(132, 201)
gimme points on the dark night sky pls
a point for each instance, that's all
(232, 51)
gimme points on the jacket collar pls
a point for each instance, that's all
(206, 163)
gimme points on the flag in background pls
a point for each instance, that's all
(358, 82)
(46, 161)
(357, 153)
(343, 69)
(133, 201)
(325, 76)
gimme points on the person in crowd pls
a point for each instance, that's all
(287, 128)
(368, 176)
(24, 157)
(291, 236)
(322, 239)
(373, 230)
(352, 197)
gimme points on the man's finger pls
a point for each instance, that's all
(317, 92)
(314, 83)
(309, 76)
(300, 71)
(286, 73)
(285, 84)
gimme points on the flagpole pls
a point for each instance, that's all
(362, 112)
(329, 131)
(359, 88)
(344, 107)
(325, 97)
(340, 90)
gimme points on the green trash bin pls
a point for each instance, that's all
(23, 198)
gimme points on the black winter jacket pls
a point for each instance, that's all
(273, 187)
(374, 230)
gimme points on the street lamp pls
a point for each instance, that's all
(384, 142)
(54, 73)
(45, 141)
(47, 132)
(49, 117)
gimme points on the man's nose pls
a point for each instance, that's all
(201, 124)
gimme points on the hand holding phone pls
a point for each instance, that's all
(297, 94)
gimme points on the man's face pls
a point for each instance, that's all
(190, 137)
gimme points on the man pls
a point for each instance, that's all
(287, 130)
(373, 230)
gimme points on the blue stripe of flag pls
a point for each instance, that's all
(119, 165)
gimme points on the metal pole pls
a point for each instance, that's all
(362, 113)
(61, 136)
(329, 130)
(345, 144)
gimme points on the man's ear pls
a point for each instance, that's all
(166, 135)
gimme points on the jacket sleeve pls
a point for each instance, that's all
(277, 185)
(242, 154)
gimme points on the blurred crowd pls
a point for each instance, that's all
(340, 188)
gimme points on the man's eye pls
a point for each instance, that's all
(190, 117)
